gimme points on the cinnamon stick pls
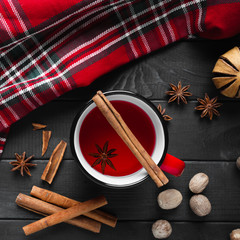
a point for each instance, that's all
(45, 209)
(46, 135)
(116, 121)
(64, 215)
(37, 126)
(54, 162)
(65, 202)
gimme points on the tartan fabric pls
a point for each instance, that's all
(50, 47)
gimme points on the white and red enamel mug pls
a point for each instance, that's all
(89, 129)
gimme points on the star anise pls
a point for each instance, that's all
(162, 111)
(103, 156)
(208, 106)
(22, 164)
(178, 92)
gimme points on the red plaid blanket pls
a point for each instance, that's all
(50, 47)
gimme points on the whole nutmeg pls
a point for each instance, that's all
(200, 205)
(235, 234)
(169, 199)
(161, 229)
(198, 182)
(238, 163)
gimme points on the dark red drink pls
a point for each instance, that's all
(96, 130)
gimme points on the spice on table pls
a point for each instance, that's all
(169, 199)
(64, 215)
(235, 234)
(162, 112)
(226, 73)
(46, 135)
(45, 209)
(198, 182)
(118, 124)
(38, 126)
(65, 202)
(200, 205)
(54, 162)
(238, 163)
(178, 93)
(208, 106)
(103, 156)
(161, 229)
(22, 164)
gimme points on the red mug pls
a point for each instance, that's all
(82, 137)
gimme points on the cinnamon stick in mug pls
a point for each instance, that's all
(64, 215)
(116, 121)
(65, 202)
(45, 209)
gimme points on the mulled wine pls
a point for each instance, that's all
(98, 140)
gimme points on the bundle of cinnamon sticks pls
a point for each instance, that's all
(58, 208)
(116, 121)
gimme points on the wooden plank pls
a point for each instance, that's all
(138, 203)
(190, 137)
(11, 230)
(190, 62)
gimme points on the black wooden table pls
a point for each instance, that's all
(206, 146)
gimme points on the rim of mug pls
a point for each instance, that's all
(86, 106)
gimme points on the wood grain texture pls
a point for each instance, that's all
(11, 230)
(138, 203)
(190, 137)
(191, 62)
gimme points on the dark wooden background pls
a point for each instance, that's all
(206, 146)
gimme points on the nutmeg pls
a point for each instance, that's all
(198, 182)
(169, 199)
(238, 163)
(235, 234)
(161, 229)
(200, 205)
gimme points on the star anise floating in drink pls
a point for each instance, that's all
(162, 111)
(178, 93)
(103, 156)
(208, 106)
(22, 164)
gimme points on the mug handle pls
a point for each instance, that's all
(173, 165)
